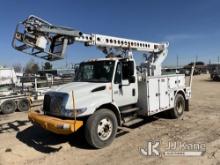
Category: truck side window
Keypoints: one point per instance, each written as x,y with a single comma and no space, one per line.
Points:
127,69
118,74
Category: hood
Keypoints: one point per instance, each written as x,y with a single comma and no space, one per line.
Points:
86,95
79,87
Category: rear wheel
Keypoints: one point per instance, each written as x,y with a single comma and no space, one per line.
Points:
23,105
8,106
179,107
101,128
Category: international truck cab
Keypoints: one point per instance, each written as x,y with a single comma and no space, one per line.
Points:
107,92
97,82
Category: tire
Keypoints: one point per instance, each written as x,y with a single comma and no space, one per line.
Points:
23,105
101,128
9,106
179,107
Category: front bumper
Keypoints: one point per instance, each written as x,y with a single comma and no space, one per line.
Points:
54,124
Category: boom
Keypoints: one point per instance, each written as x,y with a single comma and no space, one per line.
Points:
39,38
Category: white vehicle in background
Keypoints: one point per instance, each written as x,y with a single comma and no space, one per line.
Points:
7,76
10,99
106,92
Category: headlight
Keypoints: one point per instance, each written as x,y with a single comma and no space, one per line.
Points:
79,110
73,112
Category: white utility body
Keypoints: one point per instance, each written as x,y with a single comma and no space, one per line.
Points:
107,92
158,93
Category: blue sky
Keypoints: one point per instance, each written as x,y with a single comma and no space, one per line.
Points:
191,26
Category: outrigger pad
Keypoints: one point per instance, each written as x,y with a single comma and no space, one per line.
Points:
36,37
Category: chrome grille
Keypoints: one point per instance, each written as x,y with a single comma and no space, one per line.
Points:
46,104
53,103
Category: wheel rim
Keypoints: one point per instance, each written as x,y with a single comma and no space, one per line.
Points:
179,107
8,107
104,129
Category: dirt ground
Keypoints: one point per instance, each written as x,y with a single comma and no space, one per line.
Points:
22,143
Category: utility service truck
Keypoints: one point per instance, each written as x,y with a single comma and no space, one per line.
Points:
106,93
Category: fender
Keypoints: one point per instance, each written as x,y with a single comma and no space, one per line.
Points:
113,107
102,103
94,104
181,91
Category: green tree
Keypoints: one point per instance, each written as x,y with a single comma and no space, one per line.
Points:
47,66
32,67
17,67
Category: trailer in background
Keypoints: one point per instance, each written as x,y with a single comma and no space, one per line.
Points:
214,71
20,92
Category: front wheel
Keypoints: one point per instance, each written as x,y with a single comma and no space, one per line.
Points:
101,128
179,107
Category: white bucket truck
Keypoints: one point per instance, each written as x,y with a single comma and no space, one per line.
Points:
107,92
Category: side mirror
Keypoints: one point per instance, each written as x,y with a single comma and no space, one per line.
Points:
131,79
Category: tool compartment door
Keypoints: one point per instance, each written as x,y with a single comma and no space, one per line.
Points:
181,80
164,97
153,95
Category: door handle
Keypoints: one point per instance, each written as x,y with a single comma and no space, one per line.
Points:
133,92
116,92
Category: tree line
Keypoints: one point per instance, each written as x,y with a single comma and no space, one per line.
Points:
32,67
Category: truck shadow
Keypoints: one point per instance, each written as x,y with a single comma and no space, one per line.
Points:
47,142
210,80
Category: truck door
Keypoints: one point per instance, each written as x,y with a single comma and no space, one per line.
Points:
125,84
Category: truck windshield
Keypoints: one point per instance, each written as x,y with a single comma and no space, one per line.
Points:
95,71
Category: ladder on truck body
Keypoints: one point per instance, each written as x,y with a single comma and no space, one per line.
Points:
37,37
